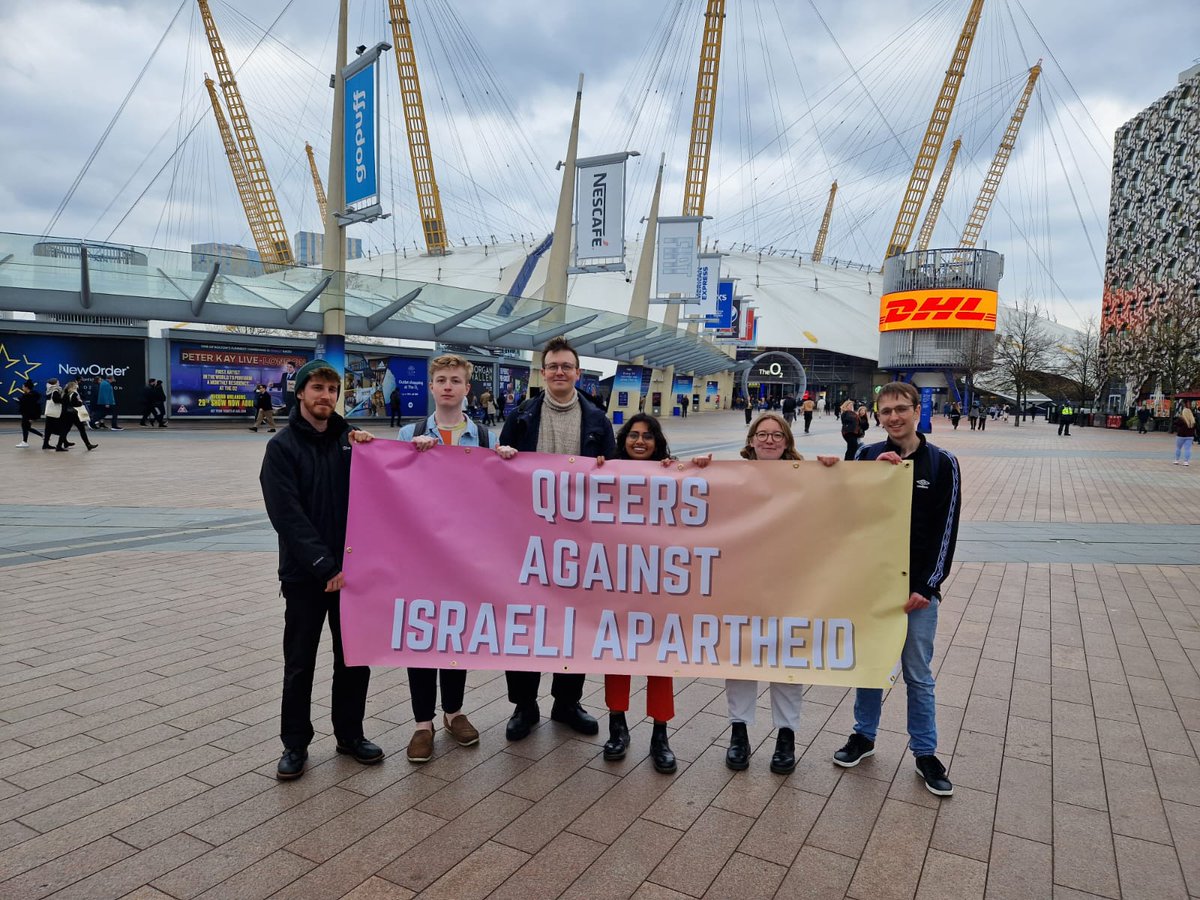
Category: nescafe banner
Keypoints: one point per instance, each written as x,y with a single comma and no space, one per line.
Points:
39,357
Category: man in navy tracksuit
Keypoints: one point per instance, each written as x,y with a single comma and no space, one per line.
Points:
305,482
936,505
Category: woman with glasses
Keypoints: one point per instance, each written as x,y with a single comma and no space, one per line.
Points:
769,438
642,438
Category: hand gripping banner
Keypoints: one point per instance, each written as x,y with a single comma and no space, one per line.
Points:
778,571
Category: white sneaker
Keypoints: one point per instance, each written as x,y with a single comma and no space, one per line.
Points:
23,444
1175,463
1186,463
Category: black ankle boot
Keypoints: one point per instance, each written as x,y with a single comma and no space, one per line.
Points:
618,737
737,757
660,749
783,761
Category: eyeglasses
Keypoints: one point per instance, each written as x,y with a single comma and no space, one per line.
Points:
558,367
769,437
898,410
640,436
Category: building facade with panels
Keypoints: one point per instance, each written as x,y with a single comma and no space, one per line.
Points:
1153,257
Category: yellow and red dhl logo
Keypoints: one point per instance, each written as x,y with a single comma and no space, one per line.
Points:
938,309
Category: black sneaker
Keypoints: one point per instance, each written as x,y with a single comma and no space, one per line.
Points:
931,769
856,750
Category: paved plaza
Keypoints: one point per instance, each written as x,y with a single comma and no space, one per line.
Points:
140,669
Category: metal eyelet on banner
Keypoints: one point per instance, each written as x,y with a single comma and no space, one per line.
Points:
468,449
570,459
349,549
680,467
795,465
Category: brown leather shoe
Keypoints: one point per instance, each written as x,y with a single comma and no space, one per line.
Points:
462,730
420,748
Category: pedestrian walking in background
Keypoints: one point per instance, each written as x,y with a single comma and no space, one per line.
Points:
850,429
1066,416
973,416
1184,427
159,408
74,415
1143,416
30,406
54,397
864,423
147,400
955,415
264,409
106,404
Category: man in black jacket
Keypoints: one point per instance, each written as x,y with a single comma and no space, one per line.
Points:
936,504
305,482
559,420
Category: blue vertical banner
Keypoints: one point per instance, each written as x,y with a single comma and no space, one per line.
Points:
332,349
361,174
926,424
723,320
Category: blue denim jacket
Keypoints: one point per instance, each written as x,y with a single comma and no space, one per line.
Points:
469,438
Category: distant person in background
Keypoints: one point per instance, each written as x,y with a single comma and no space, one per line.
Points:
30,406
982,415
955,415
808,407
789,408
90,392
147,403
264,409
54,397
160,403
1065,417
1184,427
850,429
106,403
864,423
74,415
395,404
1143,416
973,415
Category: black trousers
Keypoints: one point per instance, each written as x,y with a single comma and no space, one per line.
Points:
423,685
54,424
303,621
523,687
851,446
807,421
28,429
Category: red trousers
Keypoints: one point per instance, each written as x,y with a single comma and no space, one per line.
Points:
660,695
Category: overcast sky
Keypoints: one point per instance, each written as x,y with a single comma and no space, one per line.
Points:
809,92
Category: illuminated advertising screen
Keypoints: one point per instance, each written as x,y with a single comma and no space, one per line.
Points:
210,379
371,377
38,357
514,384
940,308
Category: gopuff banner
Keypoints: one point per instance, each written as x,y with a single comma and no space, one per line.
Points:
780,571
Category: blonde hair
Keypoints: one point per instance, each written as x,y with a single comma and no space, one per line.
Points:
848,406
450,361
1188,419
789,450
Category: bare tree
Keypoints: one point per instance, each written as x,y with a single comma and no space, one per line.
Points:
1024,350
976,356
1173,344
1084,365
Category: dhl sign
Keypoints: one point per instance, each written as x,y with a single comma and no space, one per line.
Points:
945,308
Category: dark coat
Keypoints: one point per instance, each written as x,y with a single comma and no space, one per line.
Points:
262,400
30,405
524,423
305,481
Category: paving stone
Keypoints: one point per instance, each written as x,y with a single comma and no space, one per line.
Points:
964,826
1078,776
780,830
692,791
1185,833
1134,805
1083,851
1024,806
478,875
628,861
948,877
552,869
846,822
890,866
539,824
698,857
1178,776
747,877
1147,870
1019,869
818,875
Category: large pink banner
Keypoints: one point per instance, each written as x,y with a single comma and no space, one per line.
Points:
780,571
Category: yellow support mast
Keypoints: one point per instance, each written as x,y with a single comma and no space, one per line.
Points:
704,112
277,251
316,177
987,193
939,195
429,201
819,248
935,133
258,228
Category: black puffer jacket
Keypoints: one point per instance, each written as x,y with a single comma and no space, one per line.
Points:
305,482
31,405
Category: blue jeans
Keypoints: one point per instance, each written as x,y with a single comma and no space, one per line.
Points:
1183,445
918,679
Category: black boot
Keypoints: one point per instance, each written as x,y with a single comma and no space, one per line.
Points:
618,737
783,761
660,750
737,757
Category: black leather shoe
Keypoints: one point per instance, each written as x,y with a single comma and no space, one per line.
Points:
660,751
522,722
574,715
291,764
783,760
363,750
737,757
618,737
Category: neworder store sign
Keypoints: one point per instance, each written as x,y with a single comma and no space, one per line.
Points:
782,571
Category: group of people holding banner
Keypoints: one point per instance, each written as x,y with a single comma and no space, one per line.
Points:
305,480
